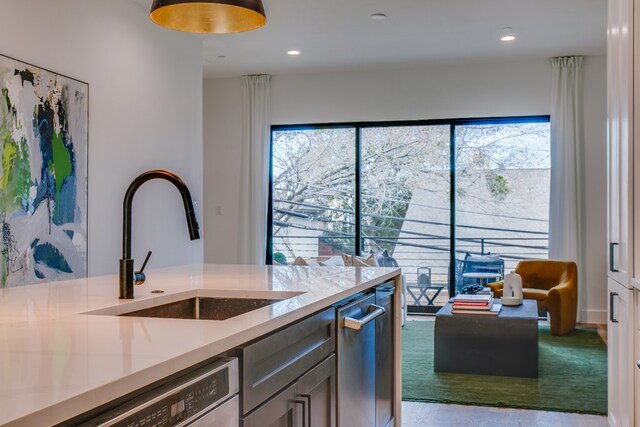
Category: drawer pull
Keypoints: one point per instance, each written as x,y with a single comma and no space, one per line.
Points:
305,412
612,267
306,408
612,296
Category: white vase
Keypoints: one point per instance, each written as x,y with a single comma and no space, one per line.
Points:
512,289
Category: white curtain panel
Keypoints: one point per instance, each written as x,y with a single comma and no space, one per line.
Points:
565,207
256,135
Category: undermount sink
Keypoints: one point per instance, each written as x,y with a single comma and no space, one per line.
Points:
203,304
204,308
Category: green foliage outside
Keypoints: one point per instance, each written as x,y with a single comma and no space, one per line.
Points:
280,258
498,185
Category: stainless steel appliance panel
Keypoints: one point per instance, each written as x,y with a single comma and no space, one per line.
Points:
384,356
210,391
225,415
356,362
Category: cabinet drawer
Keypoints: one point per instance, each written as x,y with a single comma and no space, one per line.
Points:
271,363
280,411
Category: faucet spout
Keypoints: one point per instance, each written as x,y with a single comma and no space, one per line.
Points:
126,263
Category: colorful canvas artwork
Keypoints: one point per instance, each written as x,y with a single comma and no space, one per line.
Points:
43,175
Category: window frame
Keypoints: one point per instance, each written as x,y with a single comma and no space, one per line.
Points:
358,126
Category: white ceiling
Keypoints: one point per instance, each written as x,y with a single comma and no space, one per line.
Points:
339,34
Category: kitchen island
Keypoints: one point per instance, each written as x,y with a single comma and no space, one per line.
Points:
57,361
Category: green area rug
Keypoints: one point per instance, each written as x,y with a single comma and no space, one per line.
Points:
573,375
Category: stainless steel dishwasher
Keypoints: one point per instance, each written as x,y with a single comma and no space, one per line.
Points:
206,397
385,357
356,348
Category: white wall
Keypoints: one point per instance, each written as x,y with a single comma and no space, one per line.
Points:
223,136
485,90
481,90
145,112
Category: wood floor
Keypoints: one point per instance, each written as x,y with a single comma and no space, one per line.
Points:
440,415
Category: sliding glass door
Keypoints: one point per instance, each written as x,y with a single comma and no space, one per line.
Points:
502,195
313,193
406,205
427,194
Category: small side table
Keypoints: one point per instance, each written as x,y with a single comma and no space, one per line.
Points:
481,276
417,292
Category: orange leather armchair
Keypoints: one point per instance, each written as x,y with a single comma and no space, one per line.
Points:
554,286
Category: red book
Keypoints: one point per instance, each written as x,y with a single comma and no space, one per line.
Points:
480,305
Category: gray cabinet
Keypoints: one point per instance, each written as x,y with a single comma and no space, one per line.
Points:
288,377
279,411
316,391
335,367
308,402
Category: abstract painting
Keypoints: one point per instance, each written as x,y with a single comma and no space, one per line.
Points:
43,175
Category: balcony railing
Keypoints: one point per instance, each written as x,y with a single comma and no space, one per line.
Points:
307,230
411,253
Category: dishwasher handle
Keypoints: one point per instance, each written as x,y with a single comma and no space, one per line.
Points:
374,311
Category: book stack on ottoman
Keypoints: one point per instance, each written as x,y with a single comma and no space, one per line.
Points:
481,304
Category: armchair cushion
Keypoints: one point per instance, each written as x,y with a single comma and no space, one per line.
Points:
536,294
528,293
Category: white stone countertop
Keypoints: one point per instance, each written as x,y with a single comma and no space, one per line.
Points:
57,362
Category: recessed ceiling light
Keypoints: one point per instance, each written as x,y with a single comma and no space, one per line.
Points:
507,35
293,52
378,16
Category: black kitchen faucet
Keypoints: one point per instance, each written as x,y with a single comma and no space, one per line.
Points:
127,274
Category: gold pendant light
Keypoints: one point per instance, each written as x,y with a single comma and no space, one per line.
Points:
209,17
